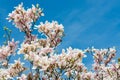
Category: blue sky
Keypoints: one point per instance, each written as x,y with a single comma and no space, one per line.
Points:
87,22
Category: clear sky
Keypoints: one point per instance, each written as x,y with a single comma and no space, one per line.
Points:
87,22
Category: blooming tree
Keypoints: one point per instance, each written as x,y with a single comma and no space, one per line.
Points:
46,63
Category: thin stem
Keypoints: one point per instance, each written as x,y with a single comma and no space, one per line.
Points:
38,72
31,68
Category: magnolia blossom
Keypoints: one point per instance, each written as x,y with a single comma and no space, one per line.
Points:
87,76
4,75
16,68
35,12
23,77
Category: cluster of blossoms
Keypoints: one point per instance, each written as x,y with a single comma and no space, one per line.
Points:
53,32
23,19
104,67
12,70
6,51
46,63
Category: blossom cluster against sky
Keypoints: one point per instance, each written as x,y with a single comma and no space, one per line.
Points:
86,22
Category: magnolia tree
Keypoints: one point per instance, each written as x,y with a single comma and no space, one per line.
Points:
46,63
